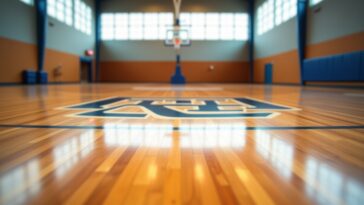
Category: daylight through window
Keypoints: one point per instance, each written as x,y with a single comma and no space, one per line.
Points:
154,26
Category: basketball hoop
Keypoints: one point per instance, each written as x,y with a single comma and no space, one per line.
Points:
177,37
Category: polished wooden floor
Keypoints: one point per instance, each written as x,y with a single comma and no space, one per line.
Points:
312,154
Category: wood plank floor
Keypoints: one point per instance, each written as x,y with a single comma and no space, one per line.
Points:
104,144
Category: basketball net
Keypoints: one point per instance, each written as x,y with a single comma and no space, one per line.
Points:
177,42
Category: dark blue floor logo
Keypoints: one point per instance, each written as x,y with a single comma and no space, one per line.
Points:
185,108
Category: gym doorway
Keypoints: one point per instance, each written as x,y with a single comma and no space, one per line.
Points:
85,70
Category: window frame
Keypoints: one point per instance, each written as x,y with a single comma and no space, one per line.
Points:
164,21
82,15
61,10
315,2
28,2
280,11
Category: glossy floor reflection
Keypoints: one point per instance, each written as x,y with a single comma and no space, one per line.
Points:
149,161
299,157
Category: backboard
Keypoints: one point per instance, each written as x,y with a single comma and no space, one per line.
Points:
177,38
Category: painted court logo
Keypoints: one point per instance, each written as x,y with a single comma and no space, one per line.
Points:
181,108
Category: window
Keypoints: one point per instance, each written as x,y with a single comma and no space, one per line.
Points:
212,26
68,12
265,17
72,12
241,27
83,17
285,10
197,30
29,2
226,22
216,26
151,28
275,12
154,26
165,22
135,26
314,2
61,10
108,27
121,26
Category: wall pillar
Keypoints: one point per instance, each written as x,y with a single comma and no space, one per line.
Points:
41,8
301,33
251,11
97,38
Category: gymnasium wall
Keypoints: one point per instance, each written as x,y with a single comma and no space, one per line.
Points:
65,46
150,61
333,27
17,40
18,49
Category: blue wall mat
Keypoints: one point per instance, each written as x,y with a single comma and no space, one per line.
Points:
362,66
348,67
42,77
268,73
29,77
345,67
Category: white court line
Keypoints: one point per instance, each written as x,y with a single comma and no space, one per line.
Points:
177,88
354,94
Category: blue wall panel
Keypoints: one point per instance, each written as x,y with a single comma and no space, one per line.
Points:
362,66
350,69
268,73
345,67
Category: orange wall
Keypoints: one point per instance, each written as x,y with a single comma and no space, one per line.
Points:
285,68
70,66
16,56
347,44
126,71
286,65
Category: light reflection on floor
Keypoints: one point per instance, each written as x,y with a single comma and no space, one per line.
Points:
135,135
324,183
276,151
213,136
159,135
26,179
69,153
23,179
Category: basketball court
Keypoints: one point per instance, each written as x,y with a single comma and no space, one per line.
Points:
182,102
